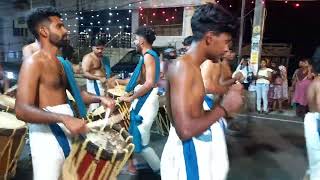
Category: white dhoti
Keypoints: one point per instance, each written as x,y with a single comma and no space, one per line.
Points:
47,155
311,131
148,112
211,154
212,158
91,89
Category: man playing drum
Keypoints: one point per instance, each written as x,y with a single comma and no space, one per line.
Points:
42,100
145,105
217,80
189,151
96,68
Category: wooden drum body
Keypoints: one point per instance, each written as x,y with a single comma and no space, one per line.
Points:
12,139
120,115
100,155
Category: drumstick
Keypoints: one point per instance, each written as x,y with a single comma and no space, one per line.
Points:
117,82
106,119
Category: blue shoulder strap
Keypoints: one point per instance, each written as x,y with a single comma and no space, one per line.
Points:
106,63
136,73
135,76
75,91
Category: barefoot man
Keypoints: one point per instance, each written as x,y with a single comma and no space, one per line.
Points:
42,100
189,151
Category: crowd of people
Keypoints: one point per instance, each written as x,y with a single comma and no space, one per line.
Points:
202,91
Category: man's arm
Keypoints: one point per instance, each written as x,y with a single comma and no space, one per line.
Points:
186,126
150,77
86,65
122,81
89,98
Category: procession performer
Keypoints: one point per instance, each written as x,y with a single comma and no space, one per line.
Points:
42,100
145,99
189,151
97,70
217,80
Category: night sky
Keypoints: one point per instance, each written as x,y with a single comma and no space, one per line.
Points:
285,23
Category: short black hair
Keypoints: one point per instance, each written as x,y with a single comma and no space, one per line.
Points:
305,59
187,41
147,33
98,42
212,17
38,16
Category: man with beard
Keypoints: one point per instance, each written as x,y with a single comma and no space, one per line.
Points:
96,68
190,149
145,102
42,100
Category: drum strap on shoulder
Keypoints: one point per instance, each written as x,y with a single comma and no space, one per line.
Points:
75,91
54,127
107,67
136,73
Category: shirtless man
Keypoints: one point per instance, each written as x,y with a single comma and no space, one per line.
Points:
312,124
145,99
217,77
188,153
41,97
29,49
217,80
96,68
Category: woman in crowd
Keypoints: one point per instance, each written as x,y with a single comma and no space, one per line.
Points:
262,86
301,82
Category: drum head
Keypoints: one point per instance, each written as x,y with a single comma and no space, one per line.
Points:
9,121
110,140
118,91
7,101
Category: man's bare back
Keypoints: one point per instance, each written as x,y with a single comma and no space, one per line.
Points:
225,71
313,95
211,74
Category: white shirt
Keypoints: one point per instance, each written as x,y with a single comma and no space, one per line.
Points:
264,72
245,71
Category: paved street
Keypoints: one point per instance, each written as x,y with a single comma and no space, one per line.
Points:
270,148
